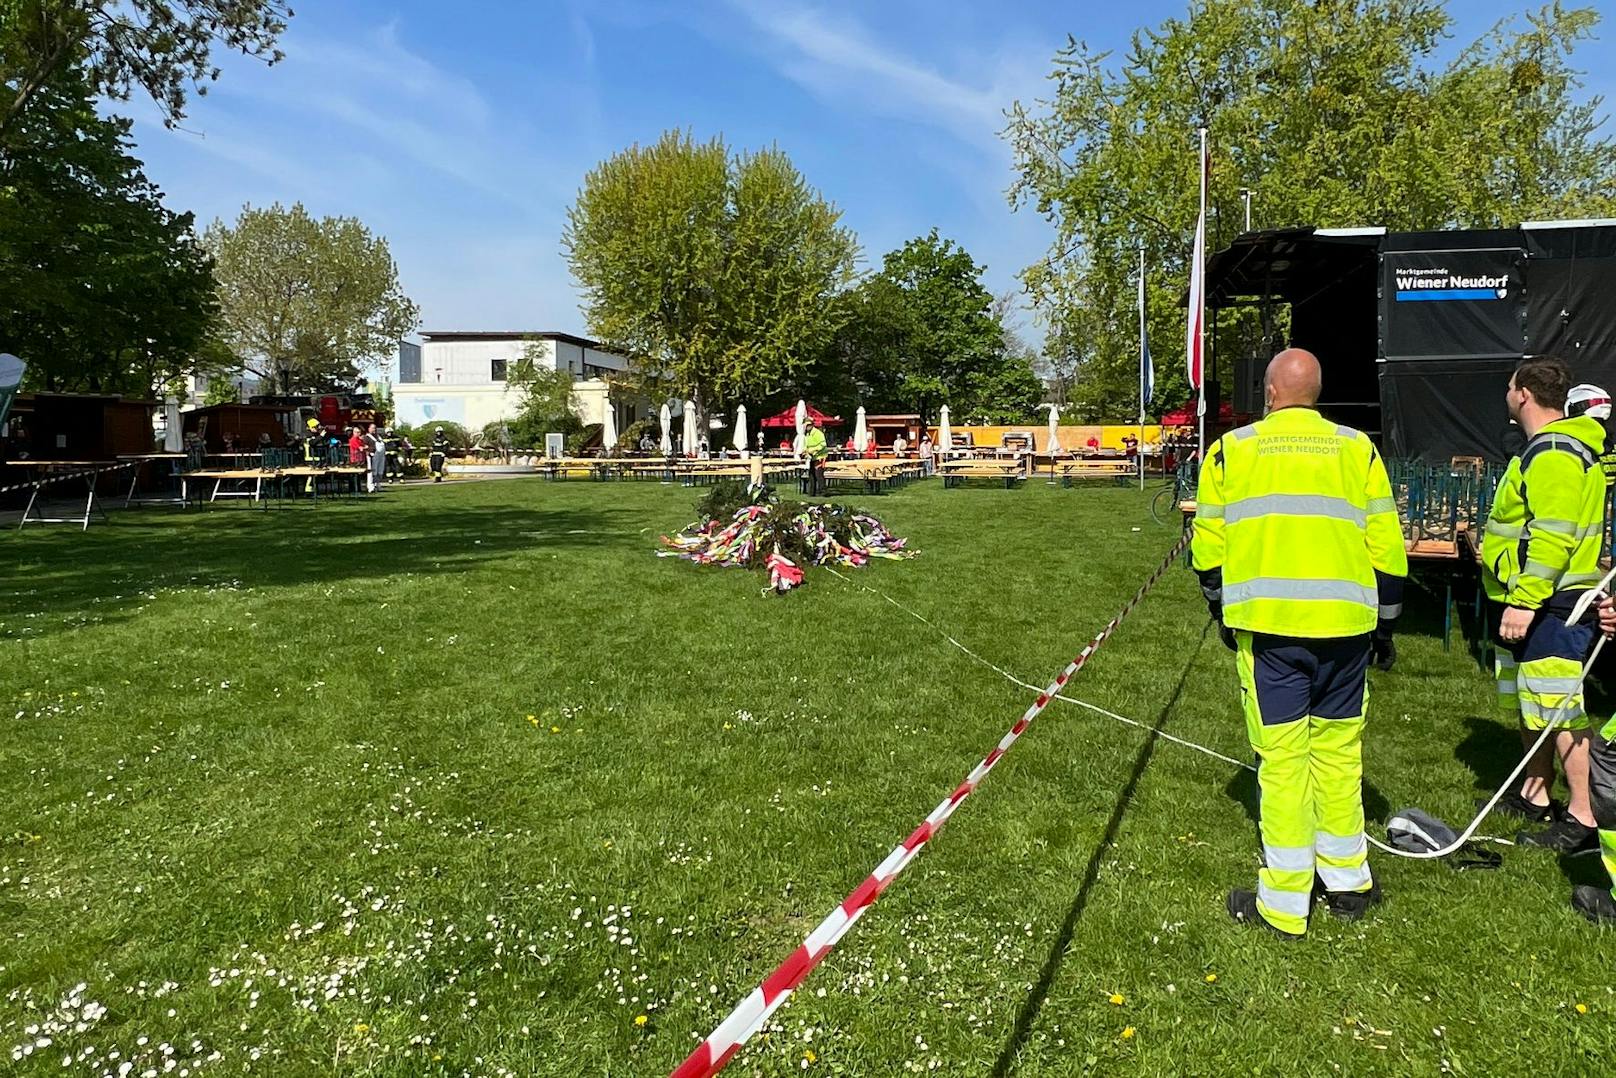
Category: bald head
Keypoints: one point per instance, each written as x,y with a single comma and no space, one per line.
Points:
1293,378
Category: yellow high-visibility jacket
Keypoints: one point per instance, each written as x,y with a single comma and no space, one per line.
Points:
1296,530
1547,521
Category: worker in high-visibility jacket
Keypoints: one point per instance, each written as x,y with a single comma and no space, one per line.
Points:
1301,559
1539,554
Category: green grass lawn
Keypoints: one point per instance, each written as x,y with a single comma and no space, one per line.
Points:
466,781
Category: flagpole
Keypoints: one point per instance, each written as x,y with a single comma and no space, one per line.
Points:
1143,346
1200,320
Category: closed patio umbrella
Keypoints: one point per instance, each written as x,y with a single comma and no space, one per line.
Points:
608,427
861,436
945,436
1054,433
690,428
802,427
739,441
173,434
666,417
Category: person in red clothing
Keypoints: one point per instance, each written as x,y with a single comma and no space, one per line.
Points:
356,446
870,448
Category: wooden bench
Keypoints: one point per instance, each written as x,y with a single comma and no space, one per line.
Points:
1119,471
955,472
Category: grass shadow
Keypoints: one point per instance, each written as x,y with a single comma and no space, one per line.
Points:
1489,749
1056,957
112,569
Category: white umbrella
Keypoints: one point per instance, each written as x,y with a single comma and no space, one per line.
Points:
945,437
740,430
173,436
667,426
608,427
861,436
1054,434
802,427
690,428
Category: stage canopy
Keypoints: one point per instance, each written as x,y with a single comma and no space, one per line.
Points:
1418,331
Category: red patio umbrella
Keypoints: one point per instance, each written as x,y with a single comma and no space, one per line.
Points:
788,418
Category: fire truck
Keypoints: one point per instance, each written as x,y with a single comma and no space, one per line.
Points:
334,412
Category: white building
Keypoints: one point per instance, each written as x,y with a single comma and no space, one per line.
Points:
461,377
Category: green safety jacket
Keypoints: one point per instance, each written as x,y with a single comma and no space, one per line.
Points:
1296,530
813,444
1547,522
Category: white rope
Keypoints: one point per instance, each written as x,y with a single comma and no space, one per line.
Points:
1465,836
1214,753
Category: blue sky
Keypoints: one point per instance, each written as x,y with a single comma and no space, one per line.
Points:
461,131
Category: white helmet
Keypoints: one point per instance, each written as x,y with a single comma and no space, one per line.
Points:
1588,400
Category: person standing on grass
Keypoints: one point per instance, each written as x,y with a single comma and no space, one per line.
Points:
1539,554
378,457
1300,554
814,451
925,455
440,453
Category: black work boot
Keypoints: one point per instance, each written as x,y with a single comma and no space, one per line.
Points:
1352,905
1513,804
1242,906
1594,903
1565,835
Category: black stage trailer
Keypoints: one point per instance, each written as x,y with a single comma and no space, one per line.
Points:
1418,331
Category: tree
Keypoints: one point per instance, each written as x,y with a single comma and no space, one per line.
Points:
1332,113
924,332
549,403
715,272
303,302
101,287
164,47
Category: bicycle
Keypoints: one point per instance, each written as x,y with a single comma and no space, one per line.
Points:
1179,488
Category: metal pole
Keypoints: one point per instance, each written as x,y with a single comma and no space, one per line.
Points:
1245,196
1139,450
1200,440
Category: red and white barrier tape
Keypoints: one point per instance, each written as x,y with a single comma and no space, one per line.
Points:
751,1013
62,477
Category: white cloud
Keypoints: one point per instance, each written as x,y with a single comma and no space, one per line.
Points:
838,59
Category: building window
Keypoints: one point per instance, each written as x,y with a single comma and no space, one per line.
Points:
498,370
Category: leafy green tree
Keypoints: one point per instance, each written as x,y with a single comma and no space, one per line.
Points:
164,47
924,332
1332,114
549,404
304,302
715,272
101,287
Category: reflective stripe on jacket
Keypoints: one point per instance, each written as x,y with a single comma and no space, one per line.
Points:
1547,521
1296,529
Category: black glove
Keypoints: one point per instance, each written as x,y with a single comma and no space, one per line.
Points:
1382,651
1226,634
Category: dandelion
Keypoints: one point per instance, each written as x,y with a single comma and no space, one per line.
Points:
1116,999
1211,978
360,1027
1582,1008
641,1019
1127,1033
555,729
808,1054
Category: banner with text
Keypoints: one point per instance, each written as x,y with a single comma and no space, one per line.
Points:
1453,304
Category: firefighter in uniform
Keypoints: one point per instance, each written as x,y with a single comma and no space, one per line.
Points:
312,455
440,452
1300,554
1539,554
